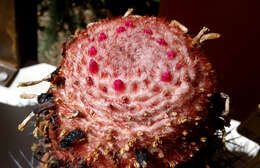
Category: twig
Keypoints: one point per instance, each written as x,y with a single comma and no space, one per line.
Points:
197,38
202,36
209,36
25,121
227,102
178,24
129,12
91,24
30,83
27,96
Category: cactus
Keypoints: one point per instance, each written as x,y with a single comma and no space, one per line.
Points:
131,91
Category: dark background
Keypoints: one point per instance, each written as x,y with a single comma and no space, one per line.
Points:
236,54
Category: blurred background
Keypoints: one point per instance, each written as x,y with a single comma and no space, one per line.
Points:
33,31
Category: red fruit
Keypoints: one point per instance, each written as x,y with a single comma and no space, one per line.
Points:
162,42
129,23
158,105
93,66
119,85
171,54
92,51
89,81
104,89
120,29
178,66
148,31
166,77
102,37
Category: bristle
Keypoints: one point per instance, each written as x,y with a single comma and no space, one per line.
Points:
178,24
129,12
31,83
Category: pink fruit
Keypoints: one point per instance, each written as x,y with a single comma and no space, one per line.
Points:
171,54
93,66
166,77
102,37
135,103
92,51
148,31
119,85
